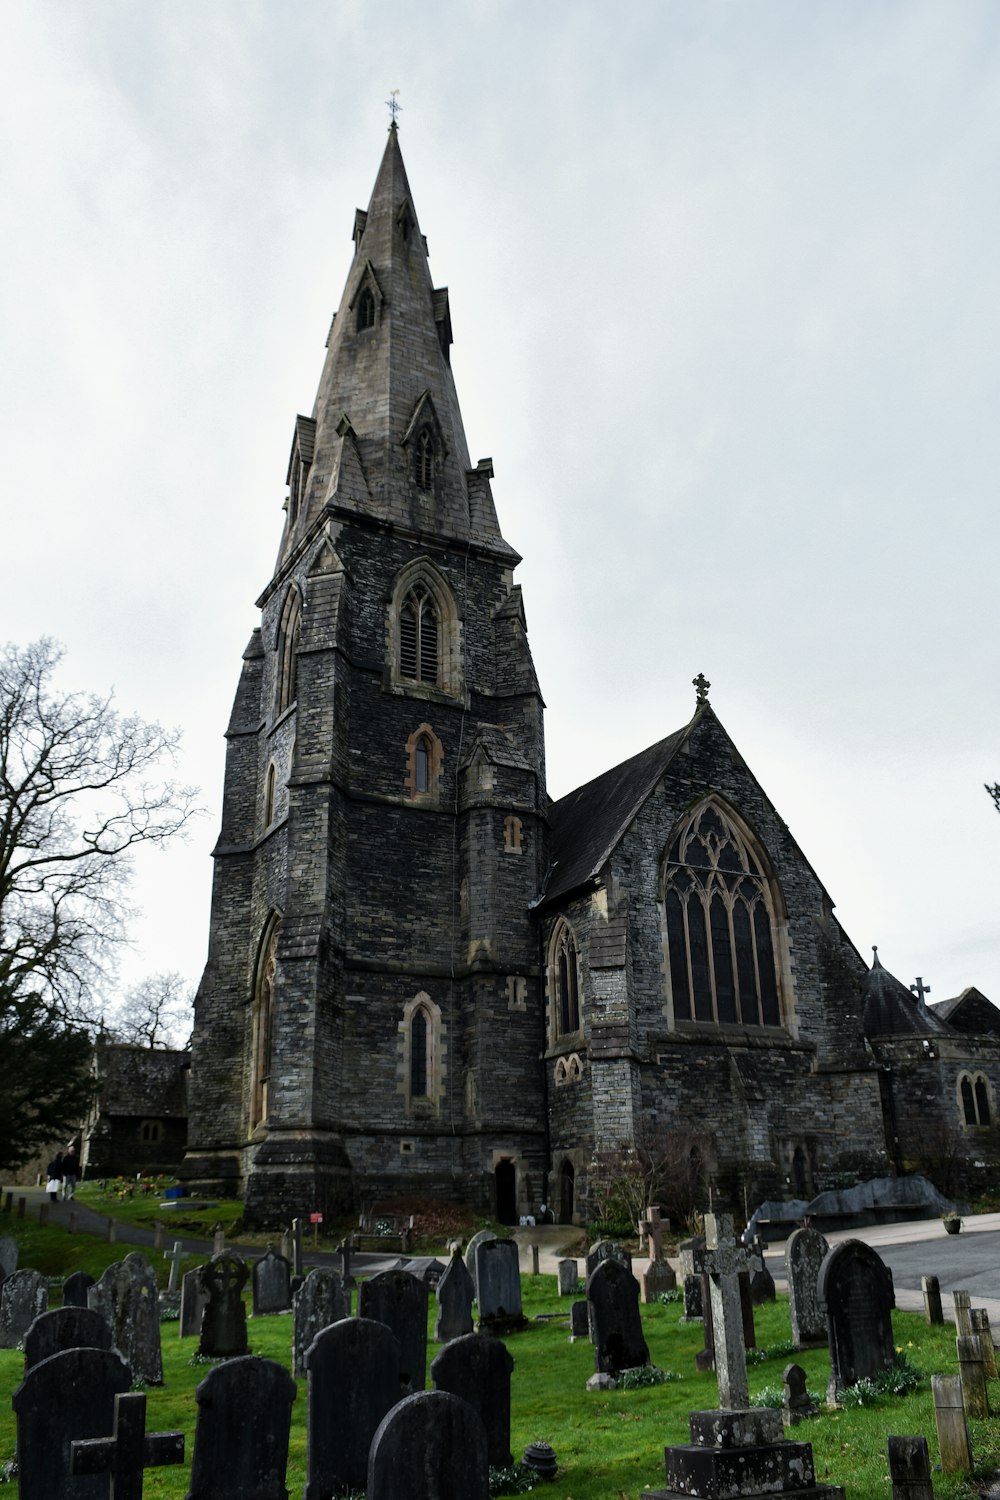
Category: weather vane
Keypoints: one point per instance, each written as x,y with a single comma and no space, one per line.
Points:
393,105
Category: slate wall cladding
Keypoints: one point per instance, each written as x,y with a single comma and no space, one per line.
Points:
926,1115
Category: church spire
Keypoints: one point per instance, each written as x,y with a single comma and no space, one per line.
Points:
386,429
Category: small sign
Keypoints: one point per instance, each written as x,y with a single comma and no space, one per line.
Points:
315,1218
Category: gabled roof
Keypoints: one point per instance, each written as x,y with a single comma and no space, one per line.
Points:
587,824
497,745
891,1009
970,1012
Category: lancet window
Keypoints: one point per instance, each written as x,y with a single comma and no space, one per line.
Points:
564,981
419,657
261,1038
720,930
289,637
975,1096
424,459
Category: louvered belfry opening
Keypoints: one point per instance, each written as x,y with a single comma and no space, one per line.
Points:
423,461
418,638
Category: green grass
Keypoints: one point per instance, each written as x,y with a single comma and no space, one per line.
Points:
610,1445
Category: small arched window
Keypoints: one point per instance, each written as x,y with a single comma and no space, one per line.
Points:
269,785
262,1024
419,1031
968,1102
566,1007
366,310
419,657
975,1096
422,765
423,460
289,638
982,1102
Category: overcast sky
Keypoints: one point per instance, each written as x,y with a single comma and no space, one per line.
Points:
726,308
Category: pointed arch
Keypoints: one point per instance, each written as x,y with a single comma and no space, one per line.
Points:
261,1030
287,648
422,1055
720,905
424,764
975,1104
270,784
423,633
563,982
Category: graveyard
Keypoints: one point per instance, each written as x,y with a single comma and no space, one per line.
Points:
608,1441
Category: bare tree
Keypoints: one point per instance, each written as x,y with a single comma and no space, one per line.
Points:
80,789
156,1012
994,792
669,1170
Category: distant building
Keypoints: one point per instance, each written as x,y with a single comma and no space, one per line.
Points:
138,1122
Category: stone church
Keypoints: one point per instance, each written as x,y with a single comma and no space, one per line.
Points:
424,976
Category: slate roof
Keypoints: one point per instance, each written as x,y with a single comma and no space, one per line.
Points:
587,824
892,1010
970,1011
497,745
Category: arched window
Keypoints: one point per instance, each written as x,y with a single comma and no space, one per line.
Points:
366,310
424,760
422,765
968,1102
262,1024
269,785
512,835
289,636
418,638
423,460
719,925
975,1096
419,1037
564,981
982,1102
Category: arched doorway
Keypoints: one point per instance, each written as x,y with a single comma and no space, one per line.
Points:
567,1191
506,1188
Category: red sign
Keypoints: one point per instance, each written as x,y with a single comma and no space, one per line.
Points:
315,1218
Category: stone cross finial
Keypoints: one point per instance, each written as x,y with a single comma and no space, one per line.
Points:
393,105
128,1451
724,1260
701,686
920,989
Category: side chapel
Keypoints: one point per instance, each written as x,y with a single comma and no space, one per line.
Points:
424,976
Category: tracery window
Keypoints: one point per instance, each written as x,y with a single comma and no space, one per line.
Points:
719,925
289,637
419,659
975,1097
564,978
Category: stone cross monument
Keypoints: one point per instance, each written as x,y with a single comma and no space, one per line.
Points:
723,1263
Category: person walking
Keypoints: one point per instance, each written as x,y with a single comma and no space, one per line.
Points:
71,1171
54,1171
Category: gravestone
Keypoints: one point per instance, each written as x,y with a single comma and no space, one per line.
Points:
741,1454
963,1313
479,1238
658,1274
973,1375
297,1267
478,1367
692,1257
931,1288
8,1255
454,1294
762,1288
724,1261
126,1296
705,1358
694,1308
344,1250
804,1254
857,1290
613,1295
64,1398
954,1442
607,1250
241,1435
64,1328
569,1275
175,1256
129,1451
431,1446
75,1289
354,1380
224,1320
320,1301
193,1299
796,1403
24,1296
981,1326
910,1468
271,1287
579,1319
426,1268
399,1300
498,1284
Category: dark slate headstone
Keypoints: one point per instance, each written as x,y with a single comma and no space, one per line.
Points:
354,1380
692,1254
241,1436
762,1288
75,1289
65,1398
193,1299
426,1268
224,1321
910,1468
8,1255
498,1284
579,1319
797,1403
613,1294
126,1296
399,1300
607,1250
693,1304
431,1446
804,1254
478,1367
64,1328
856,1287
24,1296
454,1293
569,1276
322,1299
479,1238
272,1292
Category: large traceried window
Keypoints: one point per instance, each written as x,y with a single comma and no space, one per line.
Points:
419,659
719,925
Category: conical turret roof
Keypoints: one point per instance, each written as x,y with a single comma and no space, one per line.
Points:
891,1009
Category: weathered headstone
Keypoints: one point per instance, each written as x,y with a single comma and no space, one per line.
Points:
931,1288
271,1284
75,1289
321,1300
224,1320
399,1300
613,1295
297,1267
705,1357
454,1294
579,1319
954,1442
963,1313
498,1283
910,1468
535,1250
746,1307
981,1326
857,1290
569,1276
724,1260
431,1446
607,1250
67,1397
973,1375
479,1238
126,1296
354,1380
344,1250
693,1304
741,1454
804,1254
8,1255
129,1451
762,1288
658,1275
692,1257
64,1328
241,1436
24,1296
218,1240
175,1256
193,1299
796,1403
478,1367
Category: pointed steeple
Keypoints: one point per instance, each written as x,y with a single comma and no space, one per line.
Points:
386,428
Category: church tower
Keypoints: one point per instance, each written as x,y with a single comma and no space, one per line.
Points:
369,1021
